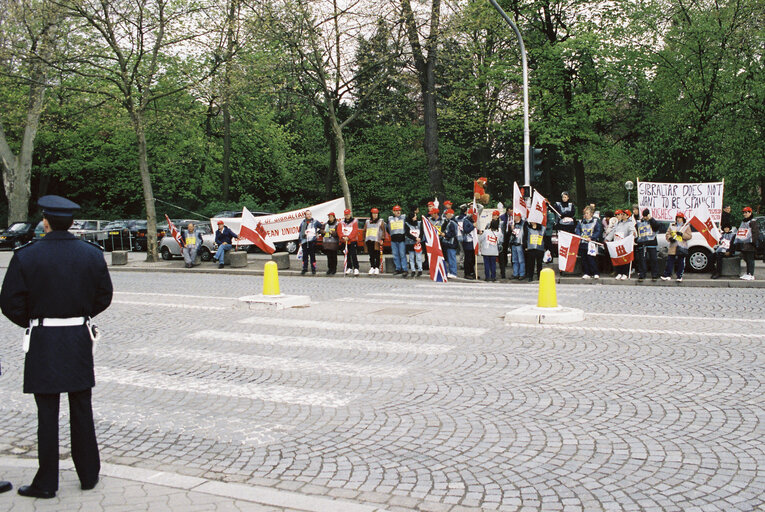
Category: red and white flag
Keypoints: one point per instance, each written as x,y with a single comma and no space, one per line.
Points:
519,203
568,248
538,210
174,232
702,221
433,245
622,251
254,231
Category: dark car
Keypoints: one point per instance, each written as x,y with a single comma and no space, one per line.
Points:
116,236
138,231
17,234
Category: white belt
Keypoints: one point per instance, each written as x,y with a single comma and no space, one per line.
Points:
57,322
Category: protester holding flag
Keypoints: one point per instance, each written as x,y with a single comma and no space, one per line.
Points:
413,239
449,232
515,234
374,237
192,241
329,243
678,234
505,220
647,245
223,238
591,231
621,230
746,239
469,234
533,242
349,236
307,234
397,242
723,248
491,243
433,244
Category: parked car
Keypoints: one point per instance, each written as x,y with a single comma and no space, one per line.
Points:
17,234
87,229
169,248
115,236
699,252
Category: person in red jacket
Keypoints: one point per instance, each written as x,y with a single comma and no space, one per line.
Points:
348,232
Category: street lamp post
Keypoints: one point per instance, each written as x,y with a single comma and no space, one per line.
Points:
629,186
526,135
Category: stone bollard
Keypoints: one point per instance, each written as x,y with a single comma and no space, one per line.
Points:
390,265
119,258
282,260
731,266
237,259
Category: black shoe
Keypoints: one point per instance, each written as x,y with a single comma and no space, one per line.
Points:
89,486
405,274
33,492
5,486
220,265
313,271
530,279
715,276
302,272
419,273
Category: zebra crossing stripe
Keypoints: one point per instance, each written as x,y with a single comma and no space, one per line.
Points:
434,330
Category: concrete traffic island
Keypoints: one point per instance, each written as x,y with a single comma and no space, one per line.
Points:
547,310
272,297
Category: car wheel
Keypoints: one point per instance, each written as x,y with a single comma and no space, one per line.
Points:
166,255
699,260
205,254
292,247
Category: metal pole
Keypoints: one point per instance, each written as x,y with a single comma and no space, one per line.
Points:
526,135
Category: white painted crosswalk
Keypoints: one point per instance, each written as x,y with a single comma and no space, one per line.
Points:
391,347
435,330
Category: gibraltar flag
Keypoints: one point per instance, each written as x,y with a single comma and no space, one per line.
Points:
174,232
622,251
702,221
538,210
568,248
254,231
519,203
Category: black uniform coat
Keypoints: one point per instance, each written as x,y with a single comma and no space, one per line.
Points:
58,276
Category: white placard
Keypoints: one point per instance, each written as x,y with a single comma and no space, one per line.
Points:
666,199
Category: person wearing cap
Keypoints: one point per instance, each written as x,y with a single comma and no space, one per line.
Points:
397,227
329,243
591,231
647,245
348,232
52,288
447,206
468,230
621,230
678,234
413,241
308,233
449,232
223,238
491,243
374,237
747,237
192,241
567,211
515,233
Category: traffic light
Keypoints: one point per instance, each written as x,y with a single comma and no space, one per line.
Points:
535,163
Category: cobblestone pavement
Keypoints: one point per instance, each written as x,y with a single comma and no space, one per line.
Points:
408,395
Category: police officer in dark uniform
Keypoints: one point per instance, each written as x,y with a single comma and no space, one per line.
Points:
52,288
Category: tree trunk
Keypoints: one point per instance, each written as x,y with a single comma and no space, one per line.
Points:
226,149
329,177
581,186
340,162
431,131
148,193
17,169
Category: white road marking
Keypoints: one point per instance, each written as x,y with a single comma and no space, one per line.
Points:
391,347
631,331
176,295
437,330
265,392
169,305
663,317
284,364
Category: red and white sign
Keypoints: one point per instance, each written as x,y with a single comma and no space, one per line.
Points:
622,251
702,221
538,210
253,230
519,203
568,248
283,227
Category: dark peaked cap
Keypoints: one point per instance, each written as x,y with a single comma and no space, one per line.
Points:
57,206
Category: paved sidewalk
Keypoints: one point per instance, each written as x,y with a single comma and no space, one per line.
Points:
129,489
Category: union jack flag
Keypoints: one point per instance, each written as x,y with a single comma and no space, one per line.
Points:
433,246
174,232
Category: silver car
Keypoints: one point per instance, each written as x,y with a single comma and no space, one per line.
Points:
169,248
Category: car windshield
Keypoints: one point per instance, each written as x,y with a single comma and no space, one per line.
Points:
19,227
117,224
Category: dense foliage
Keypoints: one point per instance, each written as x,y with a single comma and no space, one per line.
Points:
671,91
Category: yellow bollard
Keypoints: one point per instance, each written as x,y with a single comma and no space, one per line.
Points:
271,279
547,296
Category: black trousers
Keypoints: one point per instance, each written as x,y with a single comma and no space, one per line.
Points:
374,254
331,259
748,257
83,434
309,252
469,260
502,260
533,257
